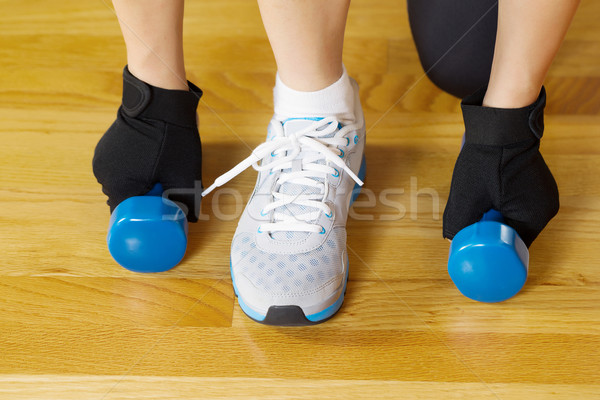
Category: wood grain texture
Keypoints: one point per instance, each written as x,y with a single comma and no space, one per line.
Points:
74,325
27,387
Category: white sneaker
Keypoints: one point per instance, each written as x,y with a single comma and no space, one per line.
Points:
289,264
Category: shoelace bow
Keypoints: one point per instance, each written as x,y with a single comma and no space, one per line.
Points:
309,146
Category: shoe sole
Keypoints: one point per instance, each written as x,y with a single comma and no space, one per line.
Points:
291,315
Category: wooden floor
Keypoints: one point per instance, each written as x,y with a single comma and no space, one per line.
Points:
74,325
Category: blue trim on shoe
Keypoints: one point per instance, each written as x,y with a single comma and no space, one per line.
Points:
302,119
340,126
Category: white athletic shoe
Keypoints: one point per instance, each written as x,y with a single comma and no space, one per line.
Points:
289,263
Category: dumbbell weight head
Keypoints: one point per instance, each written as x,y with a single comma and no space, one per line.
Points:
488,261
148,233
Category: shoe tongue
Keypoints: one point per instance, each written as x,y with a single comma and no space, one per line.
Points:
290,127
293,125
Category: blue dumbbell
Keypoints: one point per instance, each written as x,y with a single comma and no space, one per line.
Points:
148,233
488,261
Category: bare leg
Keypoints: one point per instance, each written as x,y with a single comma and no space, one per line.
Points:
153,33
529,36
307,38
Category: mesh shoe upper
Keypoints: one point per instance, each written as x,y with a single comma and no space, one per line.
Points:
288,275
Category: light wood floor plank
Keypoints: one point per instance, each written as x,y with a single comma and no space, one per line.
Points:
26,387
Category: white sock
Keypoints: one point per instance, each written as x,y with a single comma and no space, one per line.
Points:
336,100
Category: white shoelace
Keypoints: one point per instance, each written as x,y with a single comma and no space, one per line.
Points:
309,147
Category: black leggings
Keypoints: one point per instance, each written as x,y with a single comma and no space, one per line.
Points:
455,41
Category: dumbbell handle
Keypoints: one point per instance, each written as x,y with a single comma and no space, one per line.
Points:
156,190
493,215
